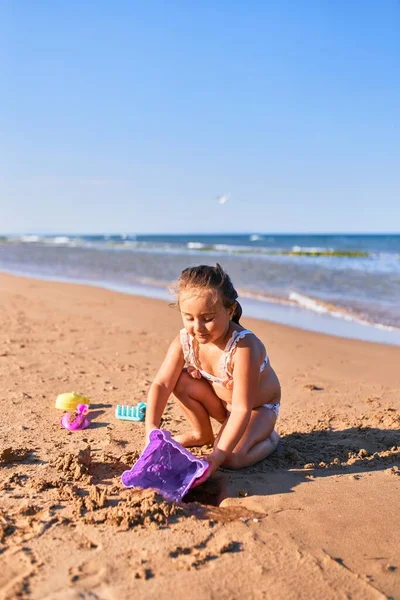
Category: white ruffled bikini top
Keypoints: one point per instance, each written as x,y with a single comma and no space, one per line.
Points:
225,361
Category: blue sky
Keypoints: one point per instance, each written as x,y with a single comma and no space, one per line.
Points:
136,116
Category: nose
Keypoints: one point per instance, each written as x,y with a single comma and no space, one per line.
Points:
199,327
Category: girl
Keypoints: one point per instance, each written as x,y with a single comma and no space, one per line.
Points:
218,369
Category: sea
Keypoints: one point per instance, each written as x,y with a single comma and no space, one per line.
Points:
345,285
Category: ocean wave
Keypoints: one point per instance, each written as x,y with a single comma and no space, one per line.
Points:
311,249
301,301
195,246
321,307
29,239
59,240
263,248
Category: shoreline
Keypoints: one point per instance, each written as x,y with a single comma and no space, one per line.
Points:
69,528
342,325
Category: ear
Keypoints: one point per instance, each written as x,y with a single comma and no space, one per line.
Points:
231,311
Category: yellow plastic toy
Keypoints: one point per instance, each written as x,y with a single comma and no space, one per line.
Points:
70,401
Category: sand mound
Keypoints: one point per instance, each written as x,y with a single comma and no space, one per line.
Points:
76,465
134,507
11,455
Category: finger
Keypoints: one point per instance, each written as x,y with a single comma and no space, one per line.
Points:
199,481
202,478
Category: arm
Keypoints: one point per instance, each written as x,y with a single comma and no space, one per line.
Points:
163,385
246,375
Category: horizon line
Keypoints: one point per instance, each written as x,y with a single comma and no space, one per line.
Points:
186,233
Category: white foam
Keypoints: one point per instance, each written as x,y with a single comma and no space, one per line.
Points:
29,239
311,249
195,245
301,301
321,307
306,302
61,239
224,247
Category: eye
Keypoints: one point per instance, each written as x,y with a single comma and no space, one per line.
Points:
188,318
208,320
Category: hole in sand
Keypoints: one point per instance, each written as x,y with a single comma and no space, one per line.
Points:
210,493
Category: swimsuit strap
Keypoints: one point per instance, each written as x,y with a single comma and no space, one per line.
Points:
225,361
226,357
234,340
190,357
187,348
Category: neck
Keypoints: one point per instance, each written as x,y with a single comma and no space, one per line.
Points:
221,341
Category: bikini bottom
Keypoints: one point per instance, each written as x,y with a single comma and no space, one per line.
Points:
274,407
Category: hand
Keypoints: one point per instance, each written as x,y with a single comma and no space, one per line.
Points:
215,460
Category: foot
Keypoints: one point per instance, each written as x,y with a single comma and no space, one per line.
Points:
274,439
192,438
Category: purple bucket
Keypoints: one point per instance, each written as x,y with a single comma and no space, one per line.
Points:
165,466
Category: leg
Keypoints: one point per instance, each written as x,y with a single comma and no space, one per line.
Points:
199,403
258,441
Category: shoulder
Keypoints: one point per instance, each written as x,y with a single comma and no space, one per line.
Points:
244,338
248,345
175,350
176,343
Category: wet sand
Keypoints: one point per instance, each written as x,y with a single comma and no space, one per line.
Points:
318,519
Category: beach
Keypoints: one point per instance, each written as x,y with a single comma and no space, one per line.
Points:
317,519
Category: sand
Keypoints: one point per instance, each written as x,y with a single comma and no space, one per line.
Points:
318,519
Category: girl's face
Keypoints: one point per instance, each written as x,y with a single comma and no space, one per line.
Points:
203,314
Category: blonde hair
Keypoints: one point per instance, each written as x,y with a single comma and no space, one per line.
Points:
215,278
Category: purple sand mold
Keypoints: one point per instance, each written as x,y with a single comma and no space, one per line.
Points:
165,466
78,420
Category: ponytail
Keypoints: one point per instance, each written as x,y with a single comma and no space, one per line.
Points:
237,313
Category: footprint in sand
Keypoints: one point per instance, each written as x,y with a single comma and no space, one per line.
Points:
89,574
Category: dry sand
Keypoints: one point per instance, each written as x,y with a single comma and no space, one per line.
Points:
318,519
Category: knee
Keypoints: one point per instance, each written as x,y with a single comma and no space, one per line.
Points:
182,384
277,395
